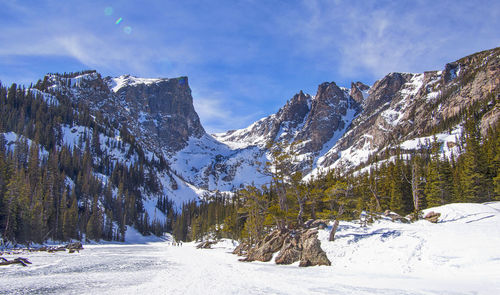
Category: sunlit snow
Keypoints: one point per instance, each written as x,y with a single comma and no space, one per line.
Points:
458,255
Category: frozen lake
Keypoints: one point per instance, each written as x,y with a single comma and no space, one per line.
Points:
458,256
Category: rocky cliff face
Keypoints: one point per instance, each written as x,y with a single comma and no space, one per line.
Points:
163,107
403,106
158,112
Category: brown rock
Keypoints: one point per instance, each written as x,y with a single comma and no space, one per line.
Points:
312,254
242,249
318,223
205,245
265,249
432,216
290,252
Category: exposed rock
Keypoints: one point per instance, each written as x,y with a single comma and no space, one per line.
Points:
206,245
293,246
265,249
328,108
167,109
396,217
432,216
312,254
241,249
357,90
318,223
290,251
75,246
158,112
19,260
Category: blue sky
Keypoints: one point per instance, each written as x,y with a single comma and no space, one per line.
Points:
244,58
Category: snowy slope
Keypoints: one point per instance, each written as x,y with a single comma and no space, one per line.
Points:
212,165
463,244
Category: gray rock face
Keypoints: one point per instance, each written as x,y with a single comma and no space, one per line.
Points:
158,112
165,110
403,106
281,126
357,90
325,118
312,121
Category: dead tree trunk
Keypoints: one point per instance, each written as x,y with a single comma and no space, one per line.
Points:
335,224
18,260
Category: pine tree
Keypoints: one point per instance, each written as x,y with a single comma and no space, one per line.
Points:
70,218
435,183
474,165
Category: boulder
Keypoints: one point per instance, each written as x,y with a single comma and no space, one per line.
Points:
318,223
205,245
75,246
242,249
396,217
290,251
312,254
298,245
432,216
265,249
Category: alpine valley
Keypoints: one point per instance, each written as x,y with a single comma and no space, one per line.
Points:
87,155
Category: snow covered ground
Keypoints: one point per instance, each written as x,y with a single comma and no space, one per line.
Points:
458,255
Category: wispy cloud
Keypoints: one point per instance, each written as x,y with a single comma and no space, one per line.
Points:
376,37
216,116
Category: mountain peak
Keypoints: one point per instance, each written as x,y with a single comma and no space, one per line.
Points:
118,83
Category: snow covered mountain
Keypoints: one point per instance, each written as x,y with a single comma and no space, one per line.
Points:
337,127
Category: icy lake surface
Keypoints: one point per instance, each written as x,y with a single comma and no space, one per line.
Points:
459,255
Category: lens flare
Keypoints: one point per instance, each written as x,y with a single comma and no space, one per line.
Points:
118,21
127,30
108,11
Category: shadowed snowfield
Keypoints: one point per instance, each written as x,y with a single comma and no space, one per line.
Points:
458,255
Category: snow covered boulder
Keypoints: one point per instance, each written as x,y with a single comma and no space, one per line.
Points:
395,217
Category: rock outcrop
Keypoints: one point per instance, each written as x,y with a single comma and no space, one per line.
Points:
298,245
164,109
359,92
312,254
205,245
265,249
